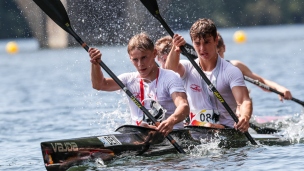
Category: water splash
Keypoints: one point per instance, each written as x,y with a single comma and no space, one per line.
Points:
289,126
208,148
293,128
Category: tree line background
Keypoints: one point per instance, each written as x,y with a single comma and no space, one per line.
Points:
180,14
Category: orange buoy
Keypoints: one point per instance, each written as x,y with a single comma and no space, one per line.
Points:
239,36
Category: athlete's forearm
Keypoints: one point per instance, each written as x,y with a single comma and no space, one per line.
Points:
182,107
180,113
246,109
274,85
172,60
96,77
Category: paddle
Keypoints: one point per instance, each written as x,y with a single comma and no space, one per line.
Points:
152,7
263,130
56,11
258,83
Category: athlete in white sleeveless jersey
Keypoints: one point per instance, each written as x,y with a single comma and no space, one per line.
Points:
159,90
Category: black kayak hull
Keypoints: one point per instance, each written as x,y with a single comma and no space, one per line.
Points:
62,154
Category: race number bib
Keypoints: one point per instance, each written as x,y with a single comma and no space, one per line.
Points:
201,117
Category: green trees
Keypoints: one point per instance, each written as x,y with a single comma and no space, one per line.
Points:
12,22
179,14
233,13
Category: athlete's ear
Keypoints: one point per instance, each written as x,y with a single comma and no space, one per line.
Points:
216,40
154,53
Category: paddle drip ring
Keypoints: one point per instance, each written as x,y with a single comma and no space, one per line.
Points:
157,111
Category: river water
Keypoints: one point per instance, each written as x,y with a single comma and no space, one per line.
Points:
46,94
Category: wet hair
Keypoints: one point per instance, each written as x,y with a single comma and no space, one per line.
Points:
220,41
167,40
141,42
202,29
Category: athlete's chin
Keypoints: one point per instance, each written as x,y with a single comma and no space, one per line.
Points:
141,70
143,73
205,57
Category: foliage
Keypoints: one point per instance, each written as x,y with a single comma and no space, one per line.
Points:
180,14
12,22
234,13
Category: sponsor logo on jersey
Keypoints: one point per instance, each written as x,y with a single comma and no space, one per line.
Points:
195,88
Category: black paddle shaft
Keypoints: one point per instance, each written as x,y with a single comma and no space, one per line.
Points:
152,7
258,83
56,11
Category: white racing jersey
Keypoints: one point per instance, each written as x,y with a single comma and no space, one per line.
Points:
201,98
159,90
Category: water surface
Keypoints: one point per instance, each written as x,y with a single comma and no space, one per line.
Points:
46,94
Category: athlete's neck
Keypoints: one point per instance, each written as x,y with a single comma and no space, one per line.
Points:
208,65
152,75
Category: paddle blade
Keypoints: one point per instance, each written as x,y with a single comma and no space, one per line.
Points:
152,6
56,11
262,130
189,51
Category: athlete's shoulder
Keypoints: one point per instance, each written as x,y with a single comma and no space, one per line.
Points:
128,76
229,65
183,62
231,71
237,63
168,73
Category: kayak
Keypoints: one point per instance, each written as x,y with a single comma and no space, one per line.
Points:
135,140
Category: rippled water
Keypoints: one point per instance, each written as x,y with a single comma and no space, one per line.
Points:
46,95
